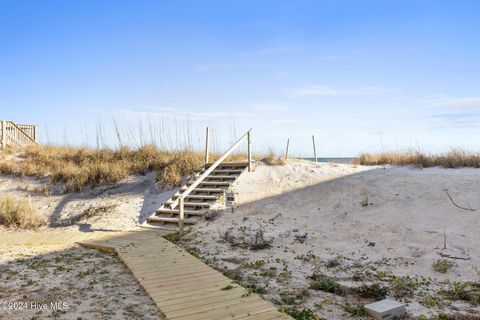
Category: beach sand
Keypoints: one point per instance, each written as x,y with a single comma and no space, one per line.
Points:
358,225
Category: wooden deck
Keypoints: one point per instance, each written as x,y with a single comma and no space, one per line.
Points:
182,286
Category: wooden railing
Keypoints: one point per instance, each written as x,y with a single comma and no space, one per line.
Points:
180,201
12,134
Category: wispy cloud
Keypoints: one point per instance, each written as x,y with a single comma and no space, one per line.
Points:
269,107
460,103
178,114
273,51
454,120
324,90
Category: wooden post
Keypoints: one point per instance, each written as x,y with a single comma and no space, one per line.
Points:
3,138
180,216
206,146
35,133
249,137
286,151
314,148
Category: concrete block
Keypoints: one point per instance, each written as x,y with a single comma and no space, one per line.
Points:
385,309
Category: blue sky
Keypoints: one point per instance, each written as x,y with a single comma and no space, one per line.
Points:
359,75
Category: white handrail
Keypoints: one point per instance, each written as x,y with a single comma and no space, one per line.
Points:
16,134
181,199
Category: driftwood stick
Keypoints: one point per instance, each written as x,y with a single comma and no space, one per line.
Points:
456,205
444,255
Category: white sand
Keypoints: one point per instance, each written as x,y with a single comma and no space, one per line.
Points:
400,231
314,215
86,283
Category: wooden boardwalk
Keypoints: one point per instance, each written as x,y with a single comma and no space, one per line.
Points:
182,286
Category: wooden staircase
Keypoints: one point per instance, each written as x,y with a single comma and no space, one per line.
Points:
201,192
18,135
200,200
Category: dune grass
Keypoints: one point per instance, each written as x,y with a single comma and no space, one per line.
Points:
455,158
77,168
18,213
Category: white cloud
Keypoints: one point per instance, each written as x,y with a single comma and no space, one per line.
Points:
324,90
460,103
268,107
283,121
182,115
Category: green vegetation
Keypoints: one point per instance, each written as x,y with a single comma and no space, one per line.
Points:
374,291
354,310
301,314
443,265
466,291
327,284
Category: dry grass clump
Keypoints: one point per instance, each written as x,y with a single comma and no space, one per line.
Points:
80,167
77,168
18,213
453,159
273,160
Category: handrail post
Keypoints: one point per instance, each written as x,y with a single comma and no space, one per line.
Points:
206,147
3,140
249,137
181,215
35,133
286,151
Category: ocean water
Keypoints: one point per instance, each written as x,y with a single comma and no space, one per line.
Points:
336,160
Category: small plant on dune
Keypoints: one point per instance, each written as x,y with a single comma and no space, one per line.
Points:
273,160
356,310
443,265
18,213
300,314
327,284
375,291
254,239
466,291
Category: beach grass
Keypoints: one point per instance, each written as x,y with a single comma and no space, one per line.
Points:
18,213
455,158
79,167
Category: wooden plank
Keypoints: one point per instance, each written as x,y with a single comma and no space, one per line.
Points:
221,309
183,287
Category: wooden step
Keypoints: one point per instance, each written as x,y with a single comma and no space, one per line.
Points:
177,211
196,196
215,183
232,171
209,190
221,177
193,204
230,164
171,220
